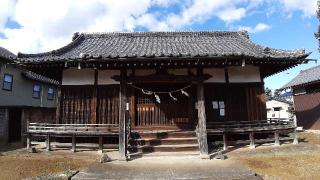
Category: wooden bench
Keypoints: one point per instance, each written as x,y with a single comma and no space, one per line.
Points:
70,130
251,127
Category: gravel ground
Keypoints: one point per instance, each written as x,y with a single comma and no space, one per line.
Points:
287,161
19,164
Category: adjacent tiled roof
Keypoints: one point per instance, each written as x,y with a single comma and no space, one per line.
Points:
305,77
6,54
40,78
134,45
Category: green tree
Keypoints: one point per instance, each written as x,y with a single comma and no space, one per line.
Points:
268,93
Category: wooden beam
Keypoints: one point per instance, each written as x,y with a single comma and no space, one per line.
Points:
201,128
122,116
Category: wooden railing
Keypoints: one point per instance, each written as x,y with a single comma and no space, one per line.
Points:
70,130
248,126
273,125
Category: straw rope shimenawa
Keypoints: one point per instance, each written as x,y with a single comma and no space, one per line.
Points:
155,93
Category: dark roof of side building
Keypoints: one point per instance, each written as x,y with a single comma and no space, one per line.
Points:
6,54
307,76
133,45
9,56
40,78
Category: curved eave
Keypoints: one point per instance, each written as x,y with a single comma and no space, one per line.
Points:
145,58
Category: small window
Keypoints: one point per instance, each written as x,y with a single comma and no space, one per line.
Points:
36,91
7,82
50,93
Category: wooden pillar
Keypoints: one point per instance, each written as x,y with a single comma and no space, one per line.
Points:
28,141
295,137
252,143
94,99
100,144
201,128
73,148
122,117
48,143
59,101
225,145
276,138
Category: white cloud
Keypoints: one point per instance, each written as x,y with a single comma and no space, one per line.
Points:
6,10
308,7
49,24
258,28
229,15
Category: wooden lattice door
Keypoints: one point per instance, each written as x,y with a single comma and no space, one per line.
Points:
168,112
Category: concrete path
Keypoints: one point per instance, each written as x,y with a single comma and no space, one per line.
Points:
167,168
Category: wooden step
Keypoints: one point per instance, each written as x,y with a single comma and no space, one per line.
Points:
165,148
167,141
162,134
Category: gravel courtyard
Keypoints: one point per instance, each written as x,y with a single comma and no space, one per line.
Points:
287,161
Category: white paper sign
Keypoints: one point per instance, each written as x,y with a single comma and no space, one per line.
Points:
215,105
222,112
221,104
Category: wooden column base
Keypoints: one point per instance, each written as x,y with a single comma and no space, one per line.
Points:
73,148
100,144
295,138
48,143
252,143
28,142
276,138
225,145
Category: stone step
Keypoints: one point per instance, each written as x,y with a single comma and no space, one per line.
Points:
165,148
168,141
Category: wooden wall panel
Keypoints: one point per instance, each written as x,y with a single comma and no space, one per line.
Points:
243,102
75,105
78,105
108,104
307,107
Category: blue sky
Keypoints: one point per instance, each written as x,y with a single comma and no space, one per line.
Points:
33,26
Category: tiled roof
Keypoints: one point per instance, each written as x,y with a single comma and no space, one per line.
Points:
5,54
40,78
304,77
134,45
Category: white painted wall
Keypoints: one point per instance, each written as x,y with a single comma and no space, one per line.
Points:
283,113
218,75
249,73
104,77
74,76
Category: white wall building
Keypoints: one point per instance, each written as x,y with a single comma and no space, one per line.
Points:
278,109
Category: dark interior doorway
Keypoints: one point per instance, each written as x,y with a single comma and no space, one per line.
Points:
14,125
